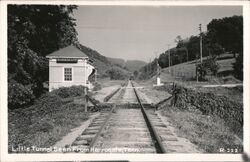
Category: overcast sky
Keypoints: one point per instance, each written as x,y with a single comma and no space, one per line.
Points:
141,32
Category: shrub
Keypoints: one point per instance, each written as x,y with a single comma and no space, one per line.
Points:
47,120
207,65
211,104
72,91
19,95
116,74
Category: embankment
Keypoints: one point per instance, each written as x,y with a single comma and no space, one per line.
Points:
231,111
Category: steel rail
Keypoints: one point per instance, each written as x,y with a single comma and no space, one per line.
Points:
158,144
93,141
91,145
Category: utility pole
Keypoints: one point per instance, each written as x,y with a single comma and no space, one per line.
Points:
197,80
158,79
157,65
186,52
169,70
200,42
150,65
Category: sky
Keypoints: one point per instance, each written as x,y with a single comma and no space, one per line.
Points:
142,32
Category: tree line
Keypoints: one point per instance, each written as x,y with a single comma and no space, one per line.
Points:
222,35
33,32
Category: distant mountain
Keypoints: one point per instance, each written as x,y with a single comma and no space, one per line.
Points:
133,65
117,61
101,63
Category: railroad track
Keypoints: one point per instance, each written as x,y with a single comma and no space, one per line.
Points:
129,129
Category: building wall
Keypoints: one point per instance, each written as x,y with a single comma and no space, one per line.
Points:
80,73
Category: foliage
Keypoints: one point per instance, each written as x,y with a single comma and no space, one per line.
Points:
33,32
201,71
164,60
135,73
148,70
228,32
73,91
50,117
133,65
208,65
116,74
223,35
185,50
211,104
19,95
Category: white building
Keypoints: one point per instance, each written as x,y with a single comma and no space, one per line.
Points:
69,66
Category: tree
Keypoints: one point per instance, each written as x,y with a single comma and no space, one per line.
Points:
116,73
210,64
136,73
33,32
163,60
228,32
179,41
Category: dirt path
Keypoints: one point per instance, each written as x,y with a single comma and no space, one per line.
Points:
149,94
101,94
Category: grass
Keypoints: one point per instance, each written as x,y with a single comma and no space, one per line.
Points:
209,133
51,117
185,73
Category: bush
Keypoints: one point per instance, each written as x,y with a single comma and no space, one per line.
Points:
207,65
50,117
72,91
116,74
211,104
19,95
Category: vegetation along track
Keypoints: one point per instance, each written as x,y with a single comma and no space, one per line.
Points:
125,129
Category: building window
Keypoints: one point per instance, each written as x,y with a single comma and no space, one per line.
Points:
68,74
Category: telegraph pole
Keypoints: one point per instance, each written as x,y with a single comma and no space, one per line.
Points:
200,42
158,79
150,65
157,65
169,70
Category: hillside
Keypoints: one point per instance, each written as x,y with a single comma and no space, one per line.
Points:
186,72
117,61
101,62
133,65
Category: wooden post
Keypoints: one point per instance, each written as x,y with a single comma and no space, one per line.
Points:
86,99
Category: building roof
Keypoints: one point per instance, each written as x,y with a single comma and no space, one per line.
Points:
70,51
